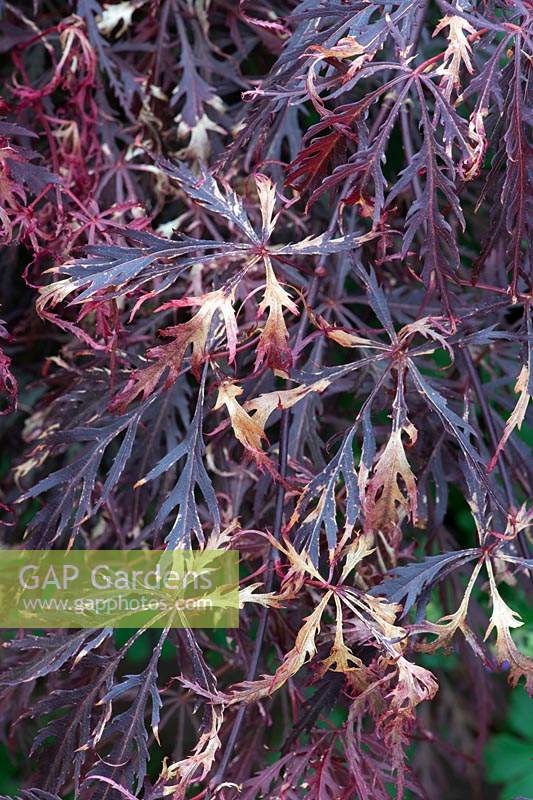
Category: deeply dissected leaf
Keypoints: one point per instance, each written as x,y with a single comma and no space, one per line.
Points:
192,474
385,499
304,648
459,428
523,387
129,754
49,653
168,358
414,581
266,277
322,488
250,430
504,619
73,486
78,724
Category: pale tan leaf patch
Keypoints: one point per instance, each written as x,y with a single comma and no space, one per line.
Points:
386,502
304,649
518,414
458,51
503,619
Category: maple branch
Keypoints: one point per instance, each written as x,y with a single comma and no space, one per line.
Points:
163,268
263,618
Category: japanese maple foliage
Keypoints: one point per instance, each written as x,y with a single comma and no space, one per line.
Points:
267,287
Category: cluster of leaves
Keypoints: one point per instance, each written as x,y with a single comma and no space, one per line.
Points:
267,287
